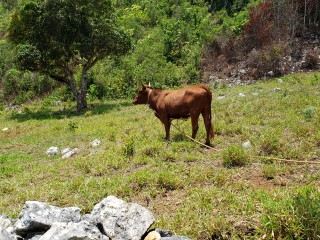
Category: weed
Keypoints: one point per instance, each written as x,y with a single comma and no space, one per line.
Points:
269,171
152,151
72,126
234,156
308,113
128,148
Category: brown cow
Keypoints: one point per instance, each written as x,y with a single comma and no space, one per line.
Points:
182,103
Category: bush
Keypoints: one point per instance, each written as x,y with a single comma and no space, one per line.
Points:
234,156
266,60
311,61
19,87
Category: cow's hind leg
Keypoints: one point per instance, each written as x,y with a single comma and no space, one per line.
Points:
208,125
195,126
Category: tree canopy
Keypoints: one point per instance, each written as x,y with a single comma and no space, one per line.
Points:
61,38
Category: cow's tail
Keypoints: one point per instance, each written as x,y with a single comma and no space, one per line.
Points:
208,107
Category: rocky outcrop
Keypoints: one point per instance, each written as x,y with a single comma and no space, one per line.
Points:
111,219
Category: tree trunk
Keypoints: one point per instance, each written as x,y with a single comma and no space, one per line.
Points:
79,95
81,102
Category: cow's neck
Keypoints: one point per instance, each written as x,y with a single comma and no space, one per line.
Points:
153,96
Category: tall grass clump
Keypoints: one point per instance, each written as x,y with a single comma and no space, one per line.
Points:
294,217
270,144
234,156
129,148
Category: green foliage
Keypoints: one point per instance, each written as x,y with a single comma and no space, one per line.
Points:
23,86
167,41
63,38
28,57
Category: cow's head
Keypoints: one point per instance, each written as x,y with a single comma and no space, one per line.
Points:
142,95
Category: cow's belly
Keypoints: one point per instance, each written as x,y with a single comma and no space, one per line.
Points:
179,116
176,114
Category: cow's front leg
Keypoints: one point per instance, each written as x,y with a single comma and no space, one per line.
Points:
167,124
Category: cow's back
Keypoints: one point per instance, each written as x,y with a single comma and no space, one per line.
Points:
183,102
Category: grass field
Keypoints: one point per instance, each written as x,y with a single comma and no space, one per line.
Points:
224,193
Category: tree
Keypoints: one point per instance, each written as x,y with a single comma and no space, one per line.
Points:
64,39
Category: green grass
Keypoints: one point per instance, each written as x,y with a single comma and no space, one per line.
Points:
227,193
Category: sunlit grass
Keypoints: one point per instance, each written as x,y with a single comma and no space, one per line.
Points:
189,188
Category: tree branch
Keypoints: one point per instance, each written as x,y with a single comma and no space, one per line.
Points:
59,78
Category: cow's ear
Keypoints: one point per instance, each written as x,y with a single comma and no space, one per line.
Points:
145,86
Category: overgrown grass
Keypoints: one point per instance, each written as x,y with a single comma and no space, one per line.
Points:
226,193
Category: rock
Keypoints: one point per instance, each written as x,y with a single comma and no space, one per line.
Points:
6,223
164,233
58,103
5,129
70,153
112,218
120,220
65,150
246,145
34,235
270,73
168,235
53,151
38,216
69,231
241,95
11,107
95,143
5,235
276,90
153,236
221,97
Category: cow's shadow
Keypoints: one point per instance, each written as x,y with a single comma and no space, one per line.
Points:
24,113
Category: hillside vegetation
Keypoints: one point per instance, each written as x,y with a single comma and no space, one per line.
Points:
173,43
220,193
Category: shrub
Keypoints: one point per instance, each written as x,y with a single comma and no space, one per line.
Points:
311,61
234,156
266,59
23,86
308,113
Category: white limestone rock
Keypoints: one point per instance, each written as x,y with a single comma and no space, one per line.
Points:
120,220
37,216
